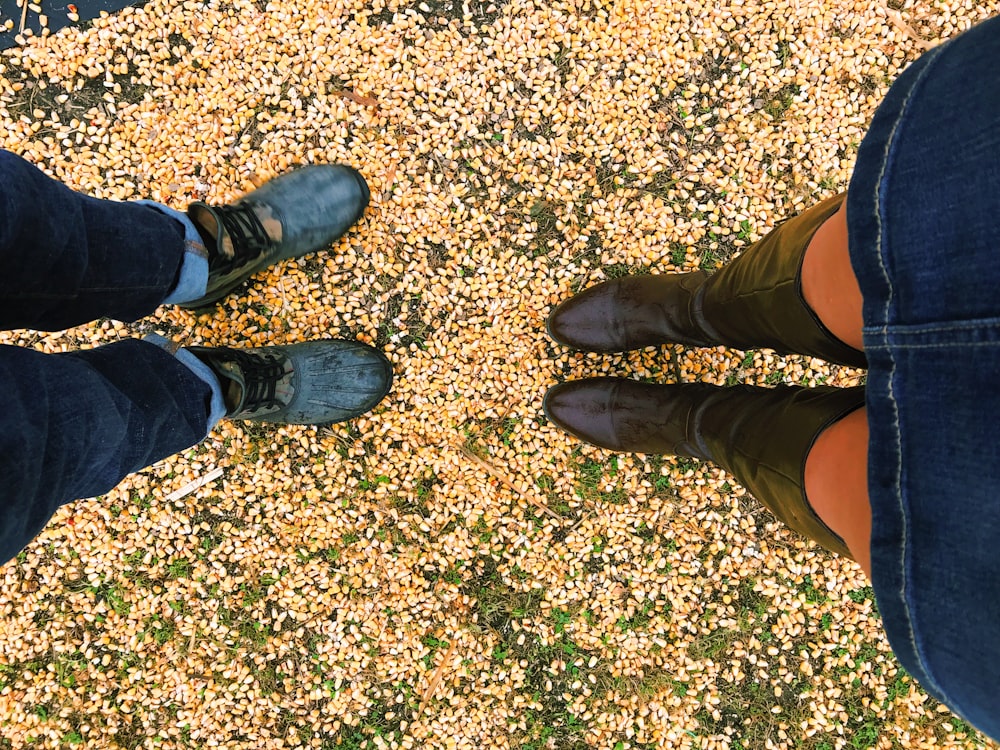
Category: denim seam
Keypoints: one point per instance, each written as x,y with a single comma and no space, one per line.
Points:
890,346
905,552
973,325
105,289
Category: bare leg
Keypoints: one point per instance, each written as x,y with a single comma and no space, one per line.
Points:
837,483
828,281
836,476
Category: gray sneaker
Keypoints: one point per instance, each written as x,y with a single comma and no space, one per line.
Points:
315,382
301,211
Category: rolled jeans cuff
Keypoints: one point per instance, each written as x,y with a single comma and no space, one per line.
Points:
192,281
217,404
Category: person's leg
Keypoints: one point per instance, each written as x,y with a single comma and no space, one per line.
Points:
836,483
836,476
829,285
75,424
798,276
69,259
762,436
756,300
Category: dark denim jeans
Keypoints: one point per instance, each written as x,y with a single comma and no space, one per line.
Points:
924,225
73,425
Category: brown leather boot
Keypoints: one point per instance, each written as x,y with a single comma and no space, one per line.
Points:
762,436
754,301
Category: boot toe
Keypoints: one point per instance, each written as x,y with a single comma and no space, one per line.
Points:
315,204
631,312
585,409
335,381
626,415
588,321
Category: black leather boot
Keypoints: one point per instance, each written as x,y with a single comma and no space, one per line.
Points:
754,301
762,436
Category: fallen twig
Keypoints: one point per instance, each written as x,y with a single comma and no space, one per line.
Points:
494,472
432,686
194,484
900,23
364,101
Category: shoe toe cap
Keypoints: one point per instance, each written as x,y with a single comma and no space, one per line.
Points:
336,381
316,204
587,321
584,408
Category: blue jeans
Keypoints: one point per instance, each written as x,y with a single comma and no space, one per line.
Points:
74,425
924,235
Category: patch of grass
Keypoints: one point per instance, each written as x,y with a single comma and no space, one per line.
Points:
713,644
778,102
863,594
619,270
642,617
547,237
179,568
497,603
161,630
111,593
589,478
433,644
551,723
812,593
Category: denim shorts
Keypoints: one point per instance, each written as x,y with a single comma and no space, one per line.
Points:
923,212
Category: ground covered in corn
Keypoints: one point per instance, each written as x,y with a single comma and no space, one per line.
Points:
451,570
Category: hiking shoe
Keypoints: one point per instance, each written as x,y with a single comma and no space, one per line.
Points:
292,215
315,382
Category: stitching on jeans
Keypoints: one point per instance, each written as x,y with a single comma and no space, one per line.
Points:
77,293
943,345
904,549
958,325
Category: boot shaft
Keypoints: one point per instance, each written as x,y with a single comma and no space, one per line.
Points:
762,436
754,301
758,297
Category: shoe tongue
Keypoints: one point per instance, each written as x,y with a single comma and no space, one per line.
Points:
234,392
208,224
211,228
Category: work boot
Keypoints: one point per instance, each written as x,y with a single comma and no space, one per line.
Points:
315,382
762,436
754,301
297,213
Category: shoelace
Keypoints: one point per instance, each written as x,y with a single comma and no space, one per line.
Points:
261,375
245,230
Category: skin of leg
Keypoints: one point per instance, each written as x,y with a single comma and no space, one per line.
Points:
828,282
837,483
836,476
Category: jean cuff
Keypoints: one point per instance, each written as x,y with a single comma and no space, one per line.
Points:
217,405
192,281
